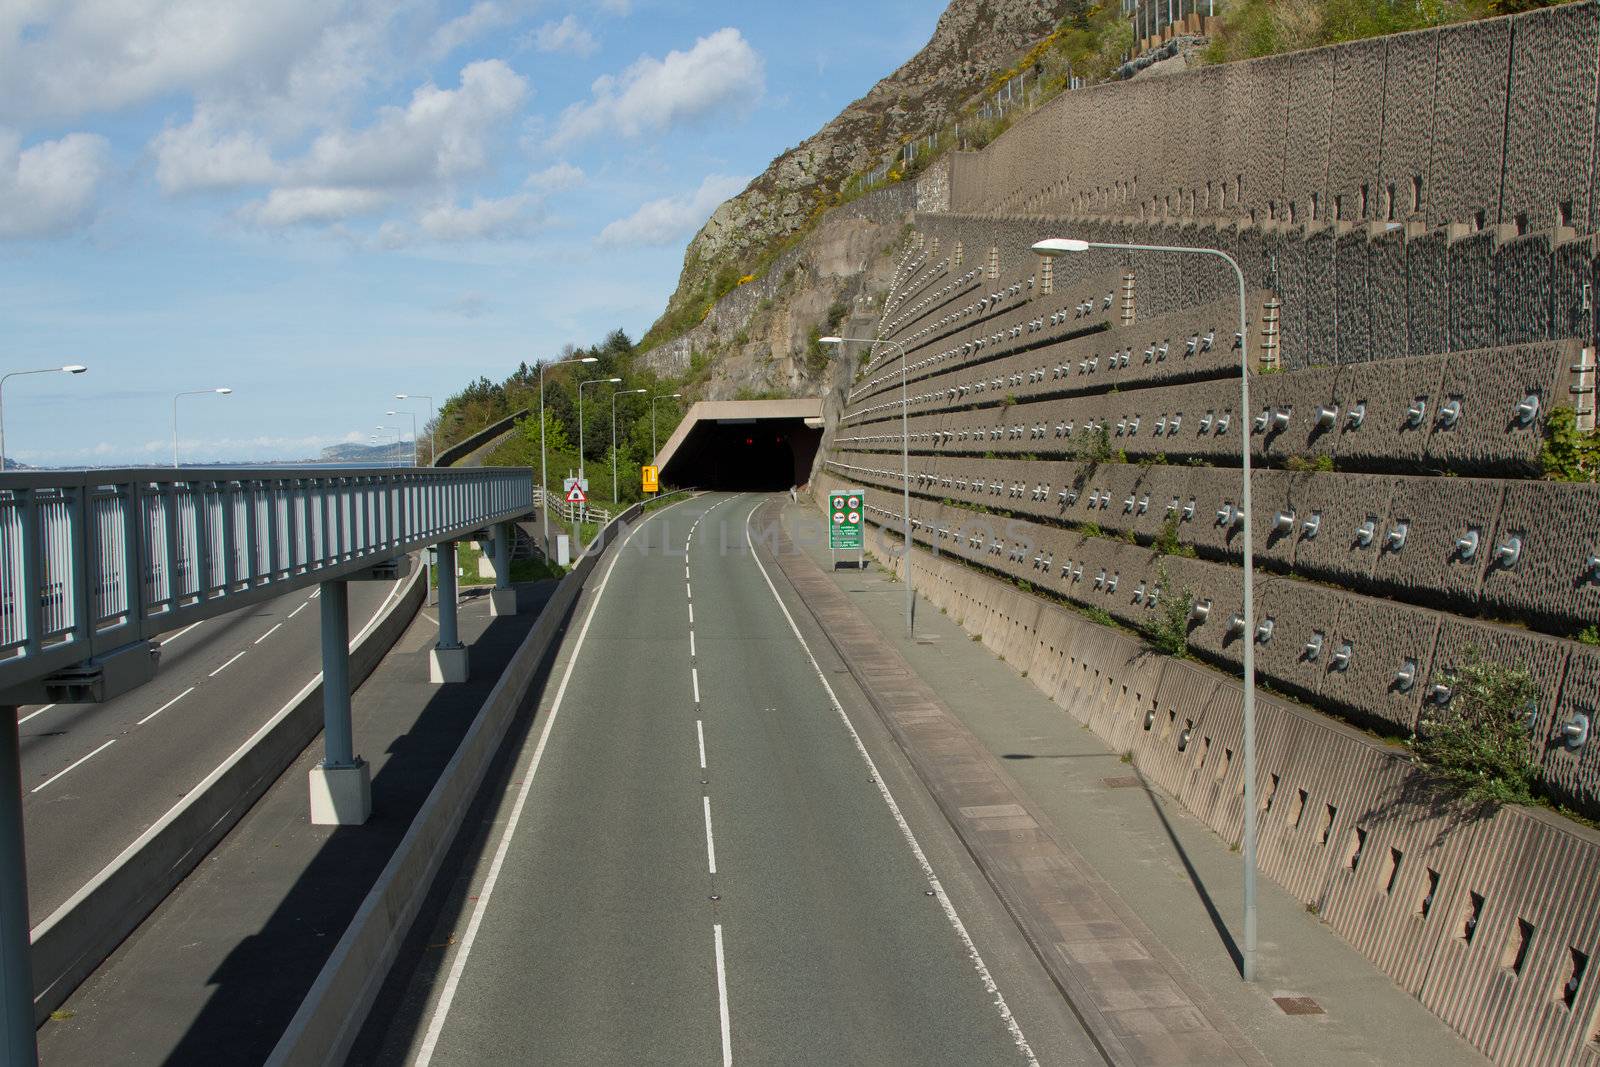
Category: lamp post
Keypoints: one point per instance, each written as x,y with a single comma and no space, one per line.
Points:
394,449
433,451
619,392
544,476
223,391
71,368
653,401
905,462
414,459
1061,246
576,529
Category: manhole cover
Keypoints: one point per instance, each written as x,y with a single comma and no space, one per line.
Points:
1121,781
1298,1006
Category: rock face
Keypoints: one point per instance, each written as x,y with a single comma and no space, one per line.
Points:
974,40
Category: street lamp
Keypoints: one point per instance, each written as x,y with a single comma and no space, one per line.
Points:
653,401
544,475
394,450
576,529
1060,246
619,392
224,391
433,450
905,460
70,368
414,460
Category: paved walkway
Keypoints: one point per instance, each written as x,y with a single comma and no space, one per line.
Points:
1121,885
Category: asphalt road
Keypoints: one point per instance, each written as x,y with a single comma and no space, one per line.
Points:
706,856
95,776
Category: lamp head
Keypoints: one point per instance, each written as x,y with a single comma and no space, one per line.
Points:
589,359
400,396
74,368
1058,246
613,381
830,340
224,391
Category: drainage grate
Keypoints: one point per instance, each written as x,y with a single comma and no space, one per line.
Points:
1298,1006
1121,781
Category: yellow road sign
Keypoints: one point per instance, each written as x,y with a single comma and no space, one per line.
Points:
651,477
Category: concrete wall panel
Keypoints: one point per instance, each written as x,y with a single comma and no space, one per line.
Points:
1389,389
1467,141
1409,117
1383,638
1550,154
1558,526
1489,385
1352,342
1472,290
1523,294
1427,293
1343,502
1432,516
1356,121
1388,289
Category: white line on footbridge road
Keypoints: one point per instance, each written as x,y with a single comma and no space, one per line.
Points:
74,765
165,706
226,665
269,633
691,644
299,609
34,714
722,998
711,844
694,676
700,733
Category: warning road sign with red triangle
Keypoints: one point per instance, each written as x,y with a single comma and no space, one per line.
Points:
575,495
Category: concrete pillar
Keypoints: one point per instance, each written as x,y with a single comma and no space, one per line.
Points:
341,785
503,598
16,953
448,660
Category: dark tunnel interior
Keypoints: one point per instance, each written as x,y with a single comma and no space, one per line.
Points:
744,455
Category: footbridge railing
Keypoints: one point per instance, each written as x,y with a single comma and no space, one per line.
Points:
93,563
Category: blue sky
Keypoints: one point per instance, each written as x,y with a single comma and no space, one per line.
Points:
320,204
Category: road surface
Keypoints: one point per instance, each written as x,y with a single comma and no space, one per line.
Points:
705,857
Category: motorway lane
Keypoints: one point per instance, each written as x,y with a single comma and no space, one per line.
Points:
703,864
95,776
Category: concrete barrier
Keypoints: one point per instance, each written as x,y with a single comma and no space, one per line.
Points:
464,452
324,1028
70,943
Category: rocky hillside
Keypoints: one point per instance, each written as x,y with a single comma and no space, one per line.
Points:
975,39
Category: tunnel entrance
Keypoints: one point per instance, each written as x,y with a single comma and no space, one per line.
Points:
744,446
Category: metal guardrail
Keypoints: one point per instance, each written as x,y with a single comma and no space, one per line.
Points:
95,561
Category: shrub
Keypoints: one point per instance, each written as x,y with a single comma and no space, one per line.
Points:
1169,634
1323,463
1569,454
1589,635
1479,741
1167,543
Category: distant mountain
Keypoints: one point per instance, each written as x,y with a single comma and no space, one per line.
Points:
376,455
13,465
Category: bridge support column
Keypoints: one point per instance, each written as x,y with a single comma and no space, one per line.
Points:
448,660
503,598
16,954
341,785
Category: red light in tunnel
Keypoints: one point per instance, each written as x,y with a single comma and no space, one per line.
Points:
749,440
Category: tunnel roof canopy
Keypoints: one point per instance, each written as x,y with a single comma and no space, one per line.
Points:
738,411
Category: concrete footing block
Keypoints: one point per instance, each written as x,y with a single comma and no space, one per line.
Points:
341,796
447,664
502,602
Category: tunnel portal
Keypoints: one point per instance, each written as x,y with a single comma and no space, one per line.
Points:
743,445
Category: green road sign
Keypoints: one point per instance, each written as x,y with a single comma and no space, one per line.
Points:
845,508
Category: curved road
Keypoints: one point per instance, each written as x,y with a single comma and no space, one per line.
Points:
712,853
96,776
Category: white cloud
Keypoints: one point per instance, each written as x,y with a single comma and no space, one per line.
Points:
483,16
721,73
663,221
67,59
200,156
557,177
50,188
483,219
565,36
314,204
441,135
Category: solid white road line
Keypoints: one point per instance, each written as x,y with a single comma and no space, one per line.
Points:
269,633
225,666
711,844
441,1010
34,714
934,884
299,609
722,999
165,706
75,764
180,633
700,734
694,676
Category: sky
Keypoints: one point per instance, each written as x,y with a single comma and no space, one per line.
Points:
319,204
